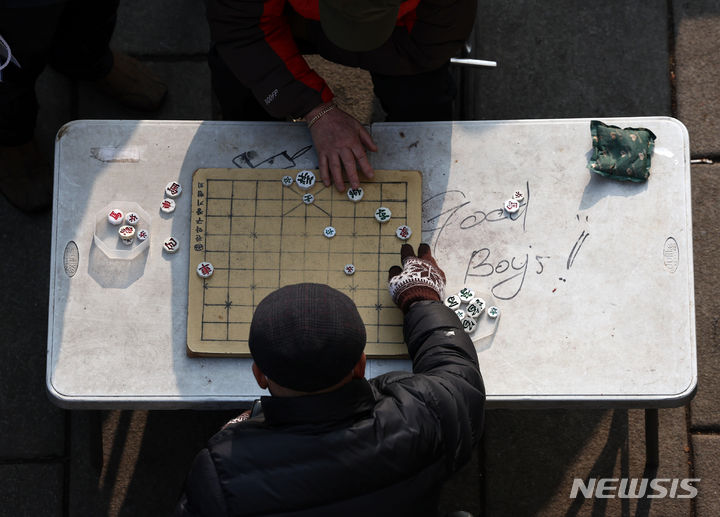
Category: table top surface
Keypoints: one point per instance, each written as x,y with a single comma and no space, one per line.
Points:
593,277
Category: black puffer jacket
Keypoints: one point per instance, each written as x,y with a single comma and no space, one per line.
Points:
381,447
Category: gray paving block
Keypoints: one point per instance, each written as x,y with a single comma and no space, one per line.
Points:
697,45
161,27
533,457
31,489
565,59
134,463
30,426
706,450
188,97
706,247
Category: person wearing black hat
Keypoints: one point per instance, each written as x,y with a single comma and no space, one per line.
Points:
258,72
328,442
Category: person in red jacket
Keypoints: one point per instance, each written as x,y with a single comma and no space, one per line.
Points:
258,71
328,441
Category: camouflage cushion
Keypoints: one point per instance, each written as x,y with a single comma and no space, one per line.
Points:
621,154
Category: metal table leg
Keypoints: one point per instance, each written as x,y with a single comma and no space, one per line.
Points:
652,452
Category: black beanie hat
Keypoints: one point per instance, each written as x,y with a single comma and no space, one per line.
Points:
306,337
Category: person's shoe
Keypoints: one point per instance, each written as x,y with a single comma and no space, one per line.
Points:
132,84
25,177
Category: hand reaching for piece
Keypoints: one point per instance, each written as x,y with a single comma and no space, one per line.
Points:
420,278
341,143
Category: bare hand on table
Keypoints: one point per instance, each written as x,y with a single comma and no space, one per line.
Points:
341,143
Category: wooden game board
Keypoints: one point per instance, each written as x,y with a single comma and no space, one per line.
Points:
260,235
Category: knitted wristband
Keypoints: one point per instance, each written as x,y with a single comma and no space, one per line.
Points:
416,294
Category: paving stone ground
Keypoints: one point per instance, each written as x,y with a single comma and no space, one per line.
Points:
32,489
30,426
566,60
697,42
706,448
532,459
559,59
706,221
696,29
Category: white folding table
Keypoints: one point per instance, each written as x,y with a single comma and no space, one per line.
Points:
593,277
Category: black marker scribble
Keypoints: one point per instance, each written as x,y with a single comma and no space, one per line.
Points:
443,224
512,293
576,249
459,212
527,203
542,266
247,159
482,263
479,266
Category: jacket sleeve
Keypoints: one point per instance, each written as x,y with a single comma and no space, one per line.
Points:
444,355
203,494
254,39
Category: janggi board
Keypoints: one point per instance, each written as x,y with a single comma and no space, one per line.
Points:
260,234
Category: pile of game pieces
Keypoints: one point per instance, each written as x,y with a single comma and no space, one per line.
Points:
513,204
167,206
127,222
474,307
171,244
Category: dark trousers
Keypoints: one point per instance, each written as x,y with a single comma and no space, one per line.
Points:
72,36
422,97
414,98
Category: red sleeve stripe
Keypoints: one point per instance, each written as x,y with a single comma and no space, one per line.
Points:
279,37
406,8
